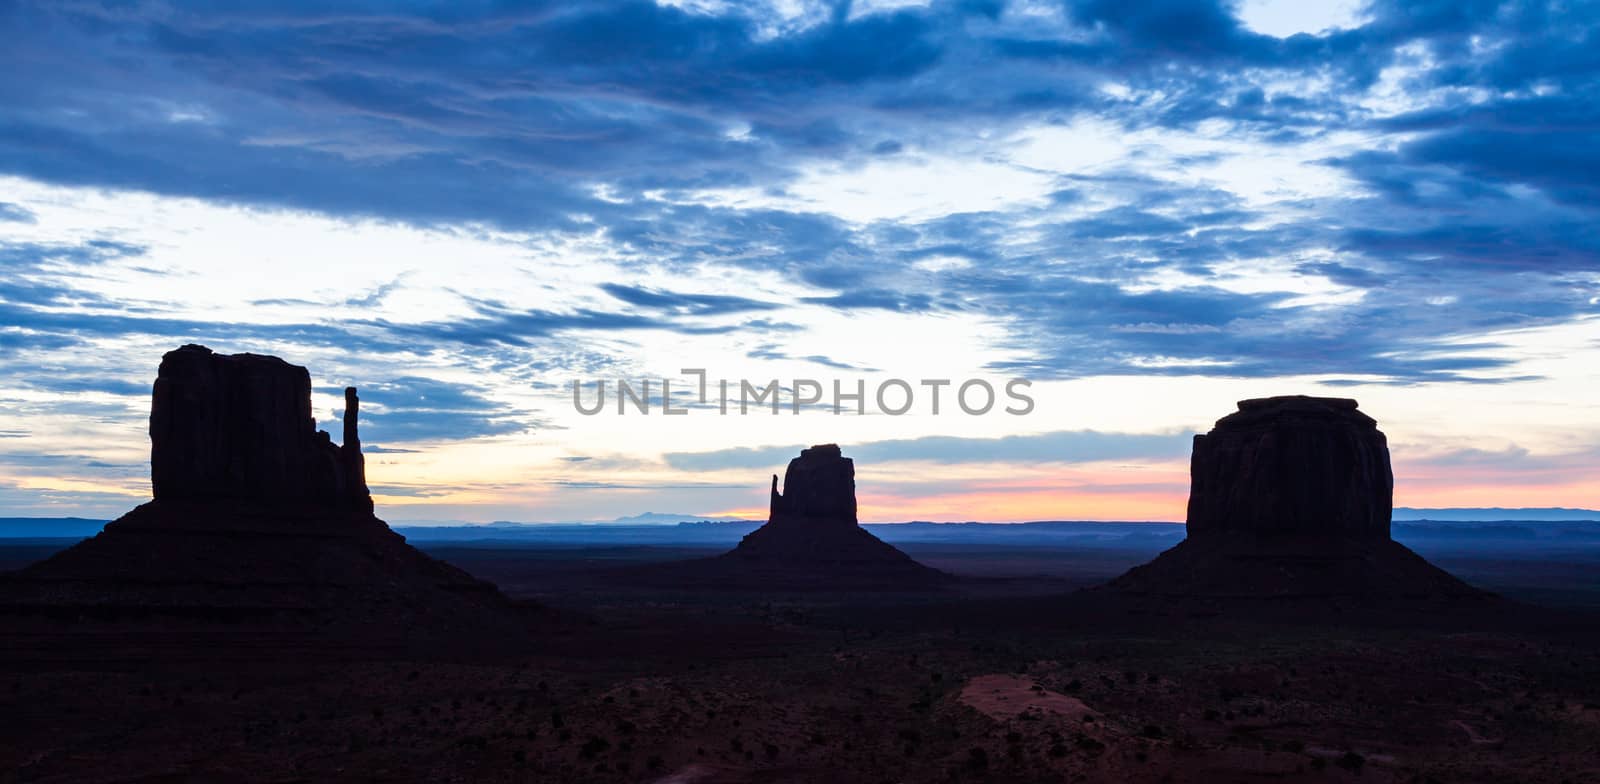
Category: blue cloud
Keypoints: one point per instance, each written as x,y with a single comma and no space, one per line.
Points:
16,213
37,256
1479,191
498,324
56,382
775,352
684,304
412,409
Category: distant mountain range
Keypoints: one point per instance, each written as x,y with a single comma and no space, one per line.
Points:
647,518
1495,514
1057,533
657,518
1401,514
49,527
81,527
660,528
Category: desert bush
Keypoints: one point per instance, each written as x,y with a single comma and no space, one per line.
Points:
593,747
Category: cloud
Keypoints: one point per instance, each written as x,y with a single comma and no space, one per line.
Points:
578,484
42,273
876,299
1425,153
495,323
62,383
410,491
385,450
1067,446
1161,190
53,327
16,213
774,352
684,304
412,409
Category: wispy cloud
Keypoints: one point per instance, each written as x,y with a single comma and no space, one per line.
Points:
1058,447
1089,189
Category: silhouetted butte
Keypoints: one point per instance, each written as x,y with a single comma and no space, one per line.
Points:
1291,497
258,517
812,540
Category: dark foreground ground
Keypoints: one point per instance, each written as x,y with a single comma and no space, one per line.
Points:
1006,678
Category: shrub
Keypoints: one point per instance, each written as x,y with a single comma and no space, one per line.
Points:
594,746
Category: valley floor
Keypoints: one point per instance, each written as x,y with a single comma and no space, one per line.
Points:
1001,680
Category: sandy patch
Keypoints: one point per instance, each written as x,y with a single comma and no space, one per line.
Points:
1473,734
1003,697
704,774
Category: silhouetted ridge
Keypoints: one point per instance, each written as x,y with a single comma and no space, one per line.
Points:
259,517
1291,497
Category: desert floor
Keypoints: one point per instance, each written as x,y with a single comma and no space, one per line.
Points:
1011,677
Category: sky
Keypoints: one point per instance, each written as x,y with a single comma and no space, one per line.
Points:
1145,209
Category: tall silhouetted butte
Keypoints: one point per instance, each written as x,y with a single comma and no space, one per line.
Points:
259,517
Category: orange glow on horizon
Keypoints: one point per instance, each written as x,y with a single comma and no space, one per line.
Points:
747,513
984,505
1108,492
1580,495
1003,506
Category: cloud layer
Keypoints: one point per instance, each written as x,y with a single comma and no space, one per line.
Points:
1459,139
1147,188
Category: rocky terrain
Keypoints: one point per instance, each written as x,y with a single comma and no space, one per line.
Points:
778,690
